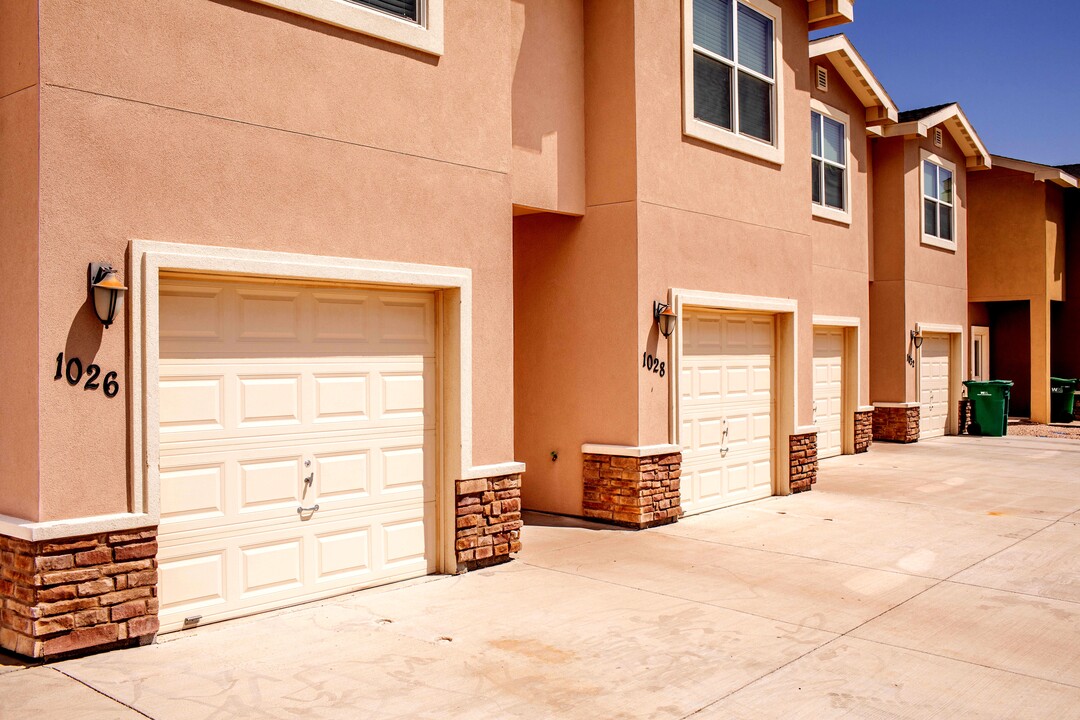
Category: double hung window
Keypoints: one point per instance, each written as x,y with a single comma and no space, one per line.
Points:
408,9
937,183
828,162
734,72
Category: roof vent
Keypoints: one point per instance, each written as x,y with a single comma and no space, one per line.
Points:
938,139
822,79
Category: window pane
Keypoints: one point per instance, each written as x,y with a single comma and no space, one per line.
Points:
930,217
944,185
929,179
712,91
834,187
945,228
712,26
755,41
815,169
404,8
834,141
755,107
815,134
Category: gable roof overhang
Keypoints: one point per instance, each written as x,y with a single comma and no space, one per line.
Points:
1042,173
918,124
827,13
849,64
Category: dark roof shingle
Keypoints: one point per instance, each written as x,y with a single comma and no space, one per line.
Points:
920,113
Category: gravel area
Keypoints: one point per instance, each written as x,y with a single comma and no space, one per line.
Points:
1030,429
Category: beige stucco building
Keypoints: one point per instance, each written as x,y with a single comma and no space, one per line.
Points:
918,293
381,256
1025,247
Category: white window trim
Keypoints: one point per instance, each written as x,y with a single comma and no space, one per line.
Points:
426,35
823,211
933,240
714,134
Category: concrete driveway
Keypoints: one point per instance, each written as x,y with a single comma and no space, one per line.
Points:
934,580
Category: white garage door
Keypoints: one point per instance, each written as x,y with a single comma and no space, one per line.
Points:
934,386
279,397
726,409
828,390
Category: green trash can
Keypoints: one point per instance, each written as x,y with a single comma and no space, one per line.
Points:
1062,399
990,399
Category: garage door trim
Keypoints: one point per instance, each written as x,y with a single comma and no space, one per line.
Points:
955,335
454,349
785,311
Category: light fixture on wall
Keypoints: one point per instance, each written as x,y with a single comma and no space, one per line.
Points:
916,342
665,318
106,292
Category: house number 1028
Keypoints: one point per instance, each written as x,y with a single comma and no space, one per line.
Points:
72,371
653,364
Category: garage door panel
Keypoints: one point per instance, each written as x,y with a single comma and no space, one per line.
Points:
293,383
726,409
933,385
828,390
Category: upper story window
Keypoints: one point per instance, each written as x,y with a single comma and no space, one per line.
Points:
732,89
938,207
829,163
417,24
408,9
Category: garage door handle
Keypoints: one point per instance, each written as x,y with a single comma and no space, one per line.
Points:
302,510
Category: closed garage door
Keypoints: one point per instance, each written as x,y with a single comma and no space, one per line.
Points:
828,389
726,409
277,399
934,386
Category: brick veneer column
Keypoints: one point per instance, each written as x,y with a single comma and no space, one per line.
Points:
803,458
864,430
967,408
488,521
896,424
78,594
637,492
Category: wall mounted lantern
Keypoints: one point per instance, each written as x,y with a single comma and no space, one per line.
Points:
916,341
106,292
665,318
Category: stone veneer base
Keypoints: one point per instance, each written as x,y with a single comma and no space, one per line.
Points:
80,594
803,458
636,492
896,424
488,521
864,430
967,415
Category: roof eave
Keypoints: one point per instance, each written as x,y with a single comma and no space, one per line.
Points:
953,118
880,108
830,13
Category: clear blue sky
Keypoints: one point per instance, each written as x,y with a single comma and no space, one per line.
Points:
1014,67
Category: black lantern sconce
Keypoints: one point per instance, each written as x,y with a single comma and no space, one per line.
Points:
916,342
106,292
665,318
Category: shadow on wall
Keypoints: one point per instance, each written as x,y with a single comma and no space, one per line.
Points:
84,335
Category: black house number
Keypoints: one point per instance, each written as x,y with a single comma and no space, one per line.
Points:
653,364
72,371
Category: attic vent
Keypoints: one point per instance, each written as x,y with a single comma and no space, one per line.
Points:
822,79
937,137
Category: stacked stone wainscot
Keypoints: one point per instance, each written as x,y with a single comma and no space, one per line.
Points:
896,423
864,430
636,492
488,521
803,459
73,595
967,411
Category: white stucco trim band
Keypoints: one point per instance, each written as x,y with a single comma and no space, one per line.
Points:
56,529
894,405
496,470
637,451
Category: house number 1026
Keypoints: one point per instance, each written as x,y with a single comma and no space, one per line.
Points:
73,372
653,364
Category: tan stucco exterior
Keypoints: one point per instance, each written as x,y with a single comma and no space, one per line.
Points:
225,139
1017,274
19,294
913,283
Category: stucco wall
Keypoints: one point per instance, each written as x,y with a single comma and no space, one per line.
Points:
19,231
1007,226
234,124
548,105
1065,344
913,282
841,259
